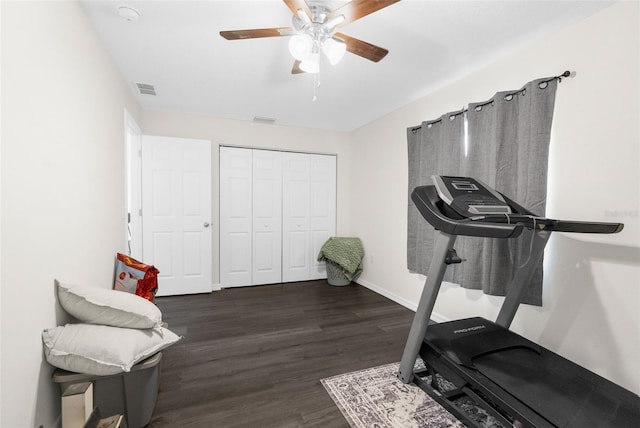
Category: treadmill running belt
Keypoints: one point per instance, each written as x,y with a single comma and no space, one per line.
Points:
567,395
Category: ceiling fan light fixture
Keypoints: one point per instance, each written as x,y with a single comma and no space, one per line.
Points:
314,30
301,46
311,64
334,50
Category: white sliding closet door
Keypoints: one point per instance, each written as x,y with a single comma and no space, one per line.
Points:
309,213
276,211
322,208
236,217
296,252
267,217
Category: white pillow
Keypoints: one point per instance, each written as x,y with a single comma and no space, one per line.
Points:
108,307
100,349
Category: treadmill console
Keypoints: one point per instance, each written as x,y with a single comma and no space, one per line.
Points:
469,197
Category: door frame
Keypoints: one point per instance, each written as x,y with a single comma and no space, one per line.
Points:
133,185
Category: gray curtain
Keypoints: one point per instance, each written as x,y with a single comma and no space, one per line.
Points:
508,146
433,148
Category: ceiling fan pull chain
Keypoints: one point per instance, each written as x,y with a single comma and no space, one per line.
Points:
316,85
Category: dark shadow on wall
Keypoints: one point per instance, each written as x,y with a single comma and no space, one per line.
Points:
48,410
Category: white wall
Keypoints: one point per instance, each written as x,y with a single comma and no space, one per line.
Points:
63,104
249,134
591,311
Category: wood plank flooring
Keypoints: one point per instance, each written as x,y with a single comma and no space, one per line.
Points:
254,356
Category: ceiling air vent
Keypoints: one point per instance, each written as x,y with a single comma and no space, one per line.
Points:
145,89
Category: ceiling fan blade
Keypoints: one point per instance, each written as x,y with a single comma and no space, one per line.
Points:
296,68
257,33
294,5
361,48
357,9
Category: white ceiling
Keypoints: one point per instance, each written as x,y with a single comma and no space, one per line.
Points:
175,46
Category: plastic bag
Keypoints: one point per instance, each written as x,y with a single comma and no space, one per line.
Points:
136,277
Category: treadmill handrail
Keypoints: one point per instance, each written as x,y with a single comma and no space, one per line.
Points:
426,200
432,209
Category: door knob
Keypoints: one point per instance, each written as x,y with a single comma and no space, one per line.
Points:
206,224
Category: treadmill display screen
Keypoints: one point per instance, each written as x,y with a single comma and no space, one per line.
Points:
469,197
464,185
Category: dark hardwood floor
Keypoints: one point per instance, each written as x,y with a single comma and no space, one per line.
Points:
254,356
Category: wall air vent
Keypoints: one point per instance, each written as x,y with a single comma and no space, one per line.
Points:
145,89
264,120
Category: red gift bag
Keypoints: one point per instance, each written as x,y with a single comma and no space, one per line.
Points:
136,277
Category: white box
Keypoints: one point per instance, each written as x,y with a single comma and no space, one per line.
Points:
77,404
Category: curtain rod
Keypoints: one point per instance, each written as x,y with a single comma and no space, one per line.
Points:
543,84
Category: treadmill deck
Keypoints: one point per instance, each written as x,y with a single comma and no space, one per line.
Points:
493,360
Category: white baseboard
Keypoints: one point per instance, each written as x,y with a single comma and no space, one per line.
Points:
391,296
386,293
216,287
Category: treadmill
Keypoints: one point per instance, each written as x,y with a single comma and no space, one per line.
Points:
516,381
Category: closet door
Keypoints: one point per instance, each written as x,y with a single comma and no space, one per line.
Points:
267,217
236,220
322,209
296,252
277,209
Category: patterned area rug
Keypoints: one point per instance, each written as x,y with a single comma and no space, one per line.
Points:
376,398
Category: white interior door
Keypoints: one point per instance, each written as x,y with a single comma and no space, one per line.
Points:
267,217
322,209
236,218
295,217
176,213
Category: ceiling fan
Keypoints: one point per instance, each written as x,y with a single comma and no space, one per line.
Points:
315,30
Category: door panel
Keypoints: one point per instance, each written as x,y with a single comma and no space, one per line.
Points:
190,263
236,166
322,211
298,251
176,212
191,203
163,249
239,247
295,217
267,217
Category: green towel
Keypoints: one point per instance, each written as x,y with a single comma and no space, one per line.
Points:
345,252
